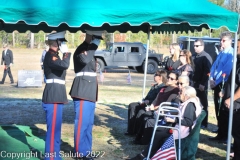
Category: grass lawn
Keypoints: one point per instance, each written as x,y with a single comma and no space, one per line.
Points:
110,116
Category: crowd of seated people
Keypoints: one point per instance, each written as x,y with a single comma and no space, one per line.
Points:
190,109
166,94
160,79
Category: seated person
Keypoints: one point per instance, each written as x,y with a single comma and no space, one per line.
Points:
183,81
160,77
190,109
150,122
166,94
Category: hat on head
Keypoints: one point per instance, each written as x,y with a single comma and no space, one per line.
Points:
57,36
97,34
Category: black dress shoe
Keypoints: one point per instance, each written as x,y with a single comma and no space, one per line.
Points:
138,157
223,141
88,158
128,134
1,82
85,158
215,131
217,138
203,127
12,82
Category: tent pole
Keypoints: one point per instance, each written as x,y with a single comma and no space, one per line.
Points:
146,62
232,96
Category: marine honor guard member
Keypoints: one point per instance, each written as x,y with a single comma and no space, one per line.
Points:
54,94
84,93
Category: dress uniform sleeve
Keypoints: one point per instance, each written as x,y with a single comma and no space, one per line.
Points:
54,61
86,58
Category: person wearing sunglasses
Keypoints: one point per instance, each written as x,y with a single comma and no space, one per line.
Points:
202,66
173,62
190,109
222,65
160,79
187,65
145,119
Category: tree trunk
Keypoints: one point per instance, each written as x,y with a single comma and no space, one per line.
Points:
13,38
32,41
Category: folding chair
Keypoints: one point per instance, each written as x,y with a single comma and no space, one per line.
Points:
189,144
163,109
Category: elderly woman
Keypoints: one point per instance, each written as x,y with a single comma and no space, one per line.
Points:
160,79
190,109
173,62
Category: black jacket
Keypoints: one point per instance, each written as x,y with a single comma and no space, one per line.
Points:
85,87
227,87
55,68
8,58
170,65
153,92
202,63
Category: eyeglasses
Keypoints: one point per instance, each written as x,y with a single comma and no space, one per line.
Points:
197,45
171,78
180,83
181,55
155,75
223,40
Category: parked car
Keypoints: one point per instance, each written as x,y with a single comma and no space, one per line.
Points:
131,54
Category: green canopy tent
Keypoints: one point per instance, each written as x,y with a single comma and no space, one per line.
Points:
122,15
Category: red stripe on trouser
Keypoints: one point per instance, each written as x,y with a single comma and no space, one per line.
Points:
79,124
53,129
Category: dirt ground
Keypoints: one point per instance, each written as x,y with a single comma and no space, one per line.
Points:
22,106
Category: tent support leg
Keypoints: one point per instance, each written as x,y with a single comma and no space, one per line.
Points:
146,62
232,95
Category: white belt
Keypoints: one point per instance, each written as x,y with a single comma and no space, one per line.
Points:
55,81
93,74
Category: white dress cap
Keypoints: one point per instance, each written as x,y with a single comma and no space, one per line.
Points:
57,36
97,34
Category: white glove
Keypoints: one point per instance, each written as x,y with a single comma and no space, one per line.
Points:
95,41
10,64
63,48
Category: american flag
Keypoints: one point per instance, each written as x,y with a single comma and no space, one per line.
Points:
129,79
101,76
167,151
